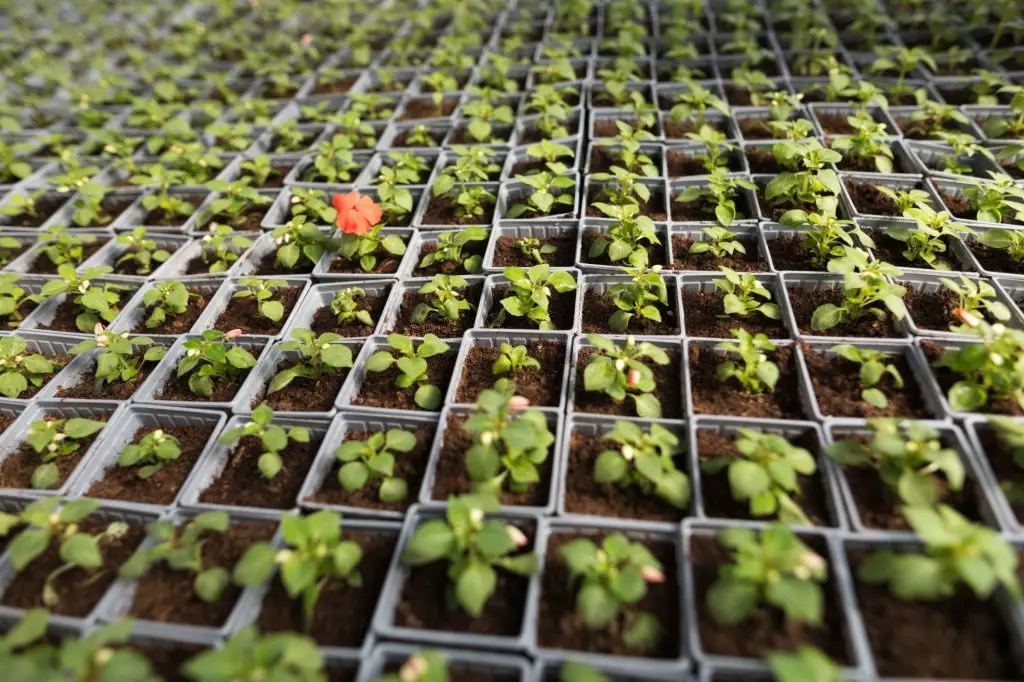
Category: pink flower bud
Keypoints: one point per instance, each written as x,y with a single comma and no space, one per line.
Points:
98,329
969,318
307,39
633,378
650,574
234,333
518,402
413,669
517,536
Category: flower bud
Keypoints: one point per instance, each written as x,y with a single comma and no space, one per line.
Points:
650,574
620,365
517,536
996,359
998,329
476,516
102,340
628,451
518,402
630,341
192,352
813,561
968,318
283,557
413,669
103,656
633,378
307,39
234,333
487,437
58,437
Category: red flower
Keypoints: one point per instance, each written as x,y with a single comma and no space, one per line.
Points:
357,213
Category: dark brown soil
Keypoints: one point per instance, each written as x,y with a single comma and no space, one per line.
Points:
891,251
656,253
711,396
1000,458
506,254
180,324
542,387
441,211
304,396
862,165
994,260
434,324
682,259
704,316
598,309
379,390
426,604
424,107
121,390
243,313
78,591
676,130
499,135
64,314
410,467
123,483
737,96
717,495
224,391
448,267
276,178
762,161
681,165
436,135
560,627
960,637
766,629
932,310
603,158
561,308
42,265
653,208
268,266
325,322
667,389
110,208
166,595
450,477
788,254
242,484
702,210
166,658
921,130
280,613
337,86
775,209
868,200
16,469
46,206
158,218
837,387
803,302
584,495
386,263
756,129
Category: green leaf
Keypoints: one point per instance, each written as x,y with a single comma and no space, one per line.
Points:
81,549
474,587
433,540
210,584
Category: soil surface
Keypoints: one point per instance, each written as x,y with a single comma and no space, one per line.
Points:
667,389
803,303
302,395
434,324
17,468
682,259
379,390
324,321
178,324
243,313
837,388
441,211
84,388
711,396
506,254
242,484
599,308
542,386
704,316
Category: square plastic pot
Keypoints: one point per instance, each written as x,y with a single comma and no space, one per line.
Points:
326,463
16,433
889,180
952,437
600,284
737,159
109,254
705,282
176,267
222,300
495,283
745,232
36,241
639,666
322,271
974,429
601,226
393,308
390,657
393,137
23,190
980,114
420,217
266,142
816,109
50,345
216,458
135,215
382,158
154,384
264,251
957,253
763,114
296,174
929,283
929,154
605,116
518,154
320,296
745,199
513,193
815,281
134,313
976,262
385,625
46,311
518,230
841,586
120,433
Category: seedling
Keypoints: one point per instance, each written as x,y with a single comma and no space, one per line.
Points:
334,162
998,201
509,442
904,200
274,439
625,237
141,251
826,237
363,248
10,247
474,547
694,104
55,438
645,461
928,239
771,567
449,249
620,372
209,361
548,196
262,292
757,374
319,355
976,297
412,366
345,308
638,297
181,548
165,300
719,243
806,664
808,178
233,203
1011,435
220,247
60,246
117,359
404,169
956,551
621,188
259,169
374,458
420,136
78,549
1010,241
529,294
907,457
513,360
20,369
716,149
88,205
745,295
873,370
299,243
444,299
24,206
550,152
156,450
95,302
533,248
962,147
612,579
868,145
720,194
12,298
990,368
550,105
867,290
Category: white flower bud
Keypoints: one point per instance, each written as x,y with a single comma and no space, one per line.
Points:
476,516
413,669
628,451
650,574
517,536
620,365
103,656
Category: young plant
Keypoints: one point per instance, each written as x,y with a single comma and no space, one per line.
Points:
637,297
282,656
625,237
316,555
117,359
693,104
274,439
766,474
548,196
513,360
444,299
806,664
533,248
156,450
374,458
720,194
220,247
95,302
166,300
88,205
772,567
998,201
873,369
60,246
645,461
141,251
806,179
48,525
449,249
755,372
319,355
208,361
259,169
990,368
928,239
262,292
550,152
181,549
359,221
474,547
868,146
334,162
412,366
620,372
20,369
976,297
611,580
826,237
233,203
403,169
867,290
55,438
298,244
509,442
529,293
621,188
716,149
956,551
345,309
908,456
743,294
